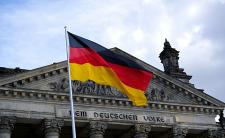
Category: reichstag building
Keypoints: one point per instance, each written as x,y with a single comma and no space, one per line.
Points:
35,104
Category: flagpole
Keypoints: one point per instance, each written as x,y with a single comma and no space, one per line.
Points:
70,88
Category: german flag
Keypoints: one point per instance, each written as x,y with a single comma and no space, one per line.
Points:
91,61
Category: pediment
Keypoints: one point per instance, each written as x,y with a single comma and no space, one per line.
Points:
162,88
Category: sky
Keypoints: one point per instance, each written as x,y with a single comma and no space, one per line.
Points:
32,33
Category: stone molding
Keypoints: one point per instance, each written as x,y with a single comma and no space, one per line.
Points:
7,123
141,130
97,129
107,101
52,125
34,75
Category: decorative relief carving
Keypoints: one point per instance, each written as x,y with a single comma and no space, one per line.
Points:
87,88
61,85
91,88
158,95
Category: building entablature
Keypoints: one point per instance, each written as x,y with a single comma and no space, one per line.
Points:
57,97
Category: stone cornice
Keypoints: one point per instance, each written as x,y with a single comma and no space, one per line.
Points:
48,96
35,73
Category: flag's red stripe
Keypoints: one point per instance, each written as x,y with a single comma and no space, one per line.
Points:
86,55
133,77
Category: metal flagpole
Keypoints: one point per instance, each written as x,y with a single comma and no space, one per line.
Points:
70,87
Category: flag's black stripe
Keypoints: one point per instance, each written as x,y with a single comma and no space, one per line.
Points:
79,42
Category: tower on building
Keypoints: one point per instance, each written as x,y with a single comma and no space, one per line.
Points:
169,58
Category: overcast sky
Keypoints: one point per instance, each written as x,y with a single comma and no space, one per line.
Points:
32,33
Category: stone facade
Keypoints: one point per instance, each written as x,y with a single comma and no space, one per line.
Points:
35,104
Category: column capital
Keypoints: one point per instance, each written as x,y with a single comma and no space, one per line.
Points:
52,125
214,133
141,130
179,132
221,133
97,129
211,133
7,123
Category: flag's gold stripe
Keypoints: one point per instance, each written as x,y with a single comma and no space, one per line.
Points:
106,76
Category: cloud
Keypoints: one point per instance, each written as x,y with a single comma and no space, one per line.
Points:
138,35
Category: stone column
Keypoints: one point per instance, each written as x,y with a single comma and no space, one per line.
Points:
52,127
6,126
178,132
141,130
97,129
